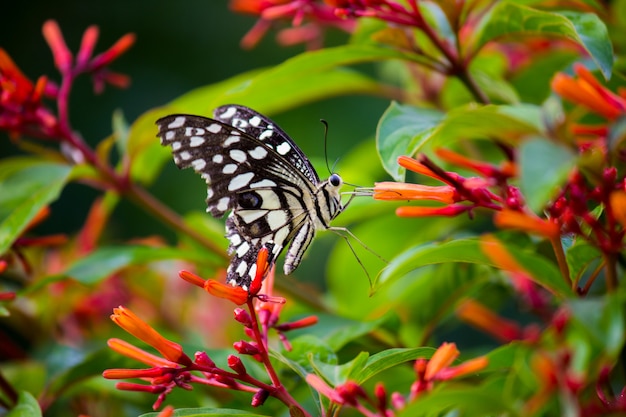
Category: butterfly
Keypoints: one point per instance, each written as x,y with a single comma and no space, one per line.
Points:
255,171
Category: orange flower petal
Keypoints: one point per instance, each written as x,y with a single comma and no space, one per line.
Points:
60,51
442,358
449,211
468,367
130,351
192,278
617,200
479,316
512,219
499,254
237,295
128,321
404,191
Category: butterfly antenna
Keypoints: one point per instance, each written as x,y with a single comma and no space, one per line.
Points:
325,123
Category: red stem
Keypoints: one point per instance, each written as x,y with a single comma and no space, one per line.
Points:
278,390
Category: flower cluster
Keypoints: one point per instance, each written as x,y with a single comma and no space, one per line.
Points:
176,369
308,19
428,372
573,211
22,107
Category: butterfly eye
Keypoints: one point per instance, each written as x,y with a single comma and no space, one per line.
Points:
335,180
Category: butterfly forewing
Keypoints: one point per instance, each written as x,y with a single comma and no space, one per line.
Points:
253,169
263,129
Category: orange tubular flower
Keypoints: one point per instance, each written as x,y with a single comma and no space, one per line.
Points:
443,357
617,199
449,211
588,92
237,295
128,321
439,368
403,191
320,386
126,349
476,314
511,219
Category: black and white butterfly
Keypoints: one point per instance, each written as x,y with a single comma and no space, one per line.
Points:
253,169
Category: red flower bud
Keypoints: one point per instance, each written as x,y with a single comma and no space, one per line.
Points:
236,365
202,359
246,348
243,317
259,398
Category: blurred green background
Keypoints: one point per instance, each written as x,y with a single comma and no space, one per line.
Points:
180,46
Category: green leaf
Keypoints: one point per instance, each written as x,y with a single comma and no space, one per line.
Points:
405,130
305,78
307,349
580,256
587,30
27,406
542,271
402,130
108,260
206,411
543,168
337,331
339,374
467,400
602,319
593,35
389,358
26,185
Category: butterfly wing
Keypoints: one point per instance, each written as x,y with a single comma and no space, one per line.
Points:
249,170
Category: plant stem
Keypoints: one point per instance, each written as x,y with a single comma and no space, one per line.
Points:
279,390
562,261
611,275
146,201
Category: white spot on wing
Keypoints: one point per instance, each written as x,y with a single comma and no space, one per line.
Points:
280,237
240,181
252,271
198,164
214,128
235,239
230,140
196,141
230,112
241,268
276,219
266,134
238,155
222,205
177,122
249,216
263,183
229,168
283,148
243,249
255,121
258,153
